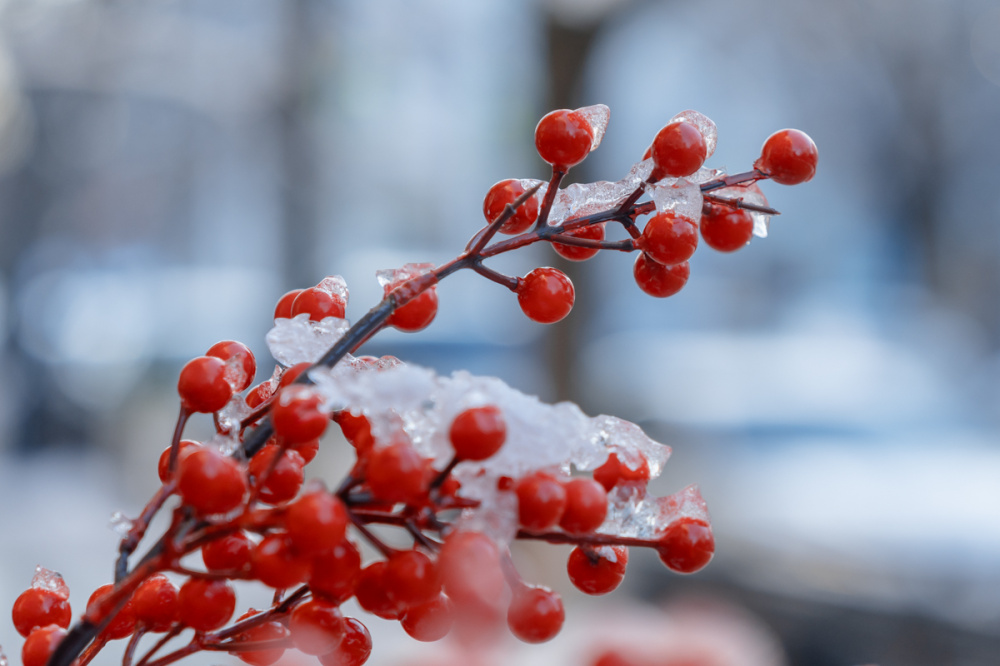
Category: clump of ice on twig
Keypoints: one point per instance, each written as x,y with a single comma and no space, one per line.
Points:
120,524
582,199
751,194
632,513
598,116
680,195
335,285
393,277
705,124
298,339
46,579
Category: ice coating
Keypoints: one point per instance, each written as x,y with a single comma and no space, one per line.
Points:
680,195
750,194
582,199
392,277
632,513
298,339
598,116
335,285
229,417
235,373
703,123
46,579
628,441
119,524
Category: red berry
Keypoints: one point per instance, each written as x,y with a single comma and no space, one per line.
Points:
291,374
541,500
283,310
316,522
268,631
411,578
535,614
296,414
613,472
586,506
678,150
563,138
397,473
372,592
354,649
228,553
470,568
279,481
417,314
275,562
506,192
211,482
789,157
123,623
592,572
259,394
478,432
334,574
430,621
658,280
239,357
545,295
687,545
726,229
669,238
319,304
356,429
185,447
155,603
203,386
40,645
316,627
39,607
575,252
307,450
205,604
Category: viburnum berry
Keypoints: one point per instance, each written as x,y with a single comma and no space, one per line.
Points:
726,229
184,448
319,304
211,482
658,280
687,545
354,649
205,604
316,627
316,522
155,603
228,553
535,614
123,623
429,621
278,473
372,592
563,138
470,568
203,386
40,607
478,432
417,314
789,157
238,355
334,574
275,562
397,473
40,644
597,570
586,506
283,310
669,238
613,472
545,295
506,193
593,232
678,150
296,414
541,500
267,631
411,578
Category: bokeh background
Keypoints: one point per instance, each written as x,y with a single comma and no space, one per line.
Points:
169,168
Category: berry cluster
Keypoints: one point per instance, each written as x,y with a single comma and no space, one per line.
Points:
459,466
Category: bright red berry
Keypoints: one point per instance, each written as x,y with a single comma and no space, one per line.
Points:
595,570
278,473
506,192
268,631
354,649
203,386
319,304
334,573
687,545
283,310
541,500
316,627
275,562
563,138
470,568
669,238
205,604
211,482
658,280
372,592
416,314
478,432
789,157
411,578
39,607
613,472
593,232
316,522
240,358
291,374
356,429
397,473
545,295
123,623
259,394
726,229
307,450
678,150
184,448
586,506
430,621
228,553
155,603
40,645
296,414
535,614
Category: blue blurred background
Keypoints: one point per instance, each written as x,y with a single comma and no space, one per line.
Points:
168,169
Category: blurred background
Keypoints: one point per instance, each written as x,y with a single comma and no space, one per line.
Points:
169,168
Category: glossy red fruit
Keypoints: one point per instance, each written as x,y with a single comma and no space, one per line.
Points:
789,157
307,450
296,414
283,310
316,522
203,386
658,280
185,447
228,553
417,314
586,506
205,604
478,432
669,238
545,295
40,644
333,574
687,545
356,429
614,472
411,578
726,229
506,192
275,562
535,614
279,481
541,500
372,592
397,473
39,607
123,623
155,603
678,150
470,568
291,374
594,232
316,627
268,631
563,138
354,649
430,621
241,360
318,304
259,394
597,570
211,482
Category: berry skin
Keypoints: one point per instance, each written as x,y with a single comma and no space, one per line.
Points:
296,414
417,314
586,506
334,574
275,562
430,621
291,374
470,568
211,482
185,447
678,150
563,138
39,607
155,603
372,592
687,545
789,157
283,479
356,429
228,553
316,627
726,229
397,473
202,385
545,295
541,500
411,578
316,522
658,280
283,310
669,238
40,645
592,573
319,304
478,433
204,604
268,631
613,472
575,252
535,614
506,192
123,623
354,649
245,362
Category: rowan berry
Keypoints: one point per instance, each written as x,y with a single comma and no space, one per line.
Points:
535,614
123,623
614,472
411,578
283,310
155,603
563,138
658,280
275,562
541,500
586,506
202,385
184,448
593,232
397,473
316,627
319,304
789,157
40,607
470,568
669,238
238,356
595,570
205,604
334,573
678,150
211,482
278,480
372,592
429,621
40,644
687,545
296,414
316,522
268,631
354,649
506,193
726,229
478,432
228,553
545,295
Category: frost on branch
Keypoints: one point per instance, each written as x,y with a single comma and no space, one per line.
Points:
298,340
581,199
